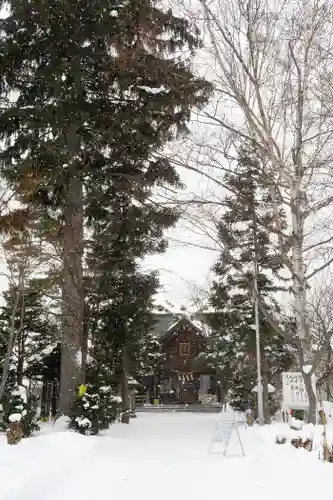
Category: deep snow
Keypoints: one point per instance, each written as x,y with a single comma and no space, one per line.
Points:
160,457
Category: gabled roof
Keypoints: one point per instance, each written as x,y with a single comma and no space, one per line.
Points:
167,317
174,327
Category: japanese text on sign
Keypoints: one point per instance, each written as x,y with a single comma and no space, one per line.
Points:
295,395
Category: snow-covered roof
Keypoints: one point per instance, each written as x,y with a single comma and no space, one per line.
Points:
208,311
167,316
197,324
167,322
174,326
166,307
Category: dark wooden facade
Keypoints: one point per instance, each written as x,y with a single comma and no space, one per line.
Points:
178,378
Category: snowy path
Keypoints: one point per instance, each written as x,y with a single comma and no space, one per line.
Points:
160,457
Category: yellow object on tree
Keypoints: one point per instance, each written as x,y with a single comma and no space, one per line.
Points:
322,417
82,390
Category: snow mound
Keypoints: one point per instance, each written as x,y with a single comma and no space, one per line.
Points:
15,417
83,422
295,424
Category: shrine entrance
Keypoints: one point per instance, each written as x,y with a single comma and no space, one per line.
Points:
189,385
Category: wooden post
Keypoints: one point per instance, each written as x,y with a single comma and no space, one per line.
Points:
249,418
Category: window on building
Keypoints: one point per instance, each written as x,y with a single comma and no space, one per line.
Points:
184,349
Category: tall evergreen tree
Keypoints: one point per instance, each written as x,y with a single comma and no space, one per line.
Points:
91,90
124,231
124,323
246,232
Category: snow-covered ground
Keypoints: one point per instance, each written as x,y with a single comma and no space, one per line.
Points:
160,457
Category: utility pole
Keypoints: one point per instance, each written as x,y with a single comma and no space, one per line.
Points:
260,391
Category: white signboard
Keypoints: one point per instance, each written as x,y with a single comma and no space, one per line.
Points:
295,396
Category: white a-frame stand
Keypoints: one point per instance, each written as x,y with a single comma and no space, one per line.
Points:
222,436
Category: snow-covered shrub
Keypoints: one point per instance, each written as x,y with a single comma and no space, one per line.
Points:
280,439
16,408
295,424
95,410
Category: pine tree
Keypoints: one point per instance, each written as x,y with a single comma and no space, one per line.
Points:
99,89
17,408
125,229
36,331
12,375
246,232
95,410
124,321
151,352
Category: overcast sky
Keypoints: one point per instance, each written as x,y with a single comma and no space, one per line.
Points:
187,263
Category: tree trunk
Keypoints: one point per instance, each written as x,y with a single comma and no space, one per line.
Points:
12,336
21,343
85,337
267,412
221,393
299,288
54,399
124,381
71,371
265,395
312,413
19,369
44,411
20,359
328,390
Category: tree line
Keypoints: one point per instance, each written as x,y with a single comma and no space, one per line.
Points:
91,94
271,65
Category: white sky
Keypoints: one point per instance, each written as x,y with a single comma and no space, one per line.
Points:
186,264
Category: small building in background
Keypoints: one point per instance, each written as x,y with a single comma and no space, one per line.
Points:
179,378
